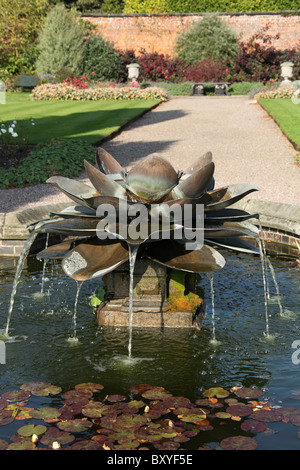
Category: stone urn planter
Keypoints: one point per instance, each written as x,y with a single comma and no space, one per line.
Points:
287,74
133,72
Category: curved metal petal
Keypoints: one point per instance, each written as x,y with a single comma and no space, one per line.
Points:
75,211
174,255
198,163
73,189
57,251
107,162
105,185
196,184
231,229
143,231
236,244
228,195
151,179
229,215
78,226
93,258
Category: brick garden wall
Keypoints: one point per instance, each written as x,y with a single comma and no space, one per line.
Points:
158,33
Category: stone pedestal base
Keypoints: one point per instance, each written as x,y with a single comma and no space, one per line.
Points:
152,306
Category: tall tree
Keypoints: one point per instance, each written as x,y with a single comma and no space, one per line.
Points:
61,42
20,22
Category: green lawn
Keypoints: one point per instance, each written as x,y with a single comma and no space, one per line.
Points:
87,120
287,116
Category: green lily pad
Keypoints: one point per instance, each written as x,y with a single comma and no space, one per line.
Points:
16,395
193,418
46,413
156,393
239,410
29,429
130,421
94,387
93,409
253,426
41,389
248,393
223,415
75,425
238,443
217,392
23,444
136,404
55,435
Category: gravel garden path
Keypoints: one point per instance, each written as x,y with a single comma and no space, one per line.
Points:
247,146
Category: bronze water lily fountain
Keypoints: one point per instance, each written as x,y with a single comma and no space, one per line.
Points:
99,249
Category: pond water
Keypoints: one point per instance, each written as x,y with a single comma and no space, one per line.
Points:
184,361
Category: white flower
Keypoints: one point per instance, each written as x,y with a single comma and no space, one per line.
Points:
14,134
14,122
11,130
3,131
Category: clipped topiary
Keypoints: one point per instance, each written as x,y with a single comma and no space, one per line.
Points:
209,37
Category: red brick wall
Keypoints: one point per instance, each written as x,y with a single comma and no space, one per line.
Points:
158,33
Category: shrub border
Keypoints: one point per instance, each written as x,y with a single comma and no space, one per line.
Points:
200,13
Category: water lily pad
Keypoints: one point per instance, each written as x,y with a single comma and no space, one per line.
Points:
6,417
24,413
75,425
16,395
78,393
24,444
295,419
93,409
135,404
193,418
94,387
223,415
130,445
176,402
167,445
217,392
29,429
46,413
41,389
85,445
68,411
131,421
116,398
3,444
238,443
239,410
3,403
55,435
250,393
267,416
156,393
140,389
253,426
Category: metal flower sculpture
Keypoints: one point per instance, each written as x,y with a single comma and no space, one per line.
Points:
100,244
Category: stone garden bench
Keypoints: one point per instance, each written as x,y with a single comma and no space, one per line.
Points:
27,81
221,88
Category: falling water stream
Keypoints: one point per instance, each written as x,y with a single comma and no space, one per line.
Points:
19,269
44,265
213,341
73,339
133,249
